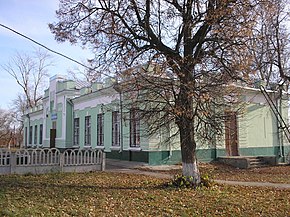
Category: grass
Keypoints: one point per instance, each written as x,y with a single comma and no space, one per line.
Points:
115,194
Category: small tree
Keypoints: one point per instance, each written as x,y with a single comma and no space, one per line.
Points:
200,44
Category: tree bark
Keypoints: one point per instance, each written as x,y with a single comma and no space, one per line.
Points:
185,123
188,153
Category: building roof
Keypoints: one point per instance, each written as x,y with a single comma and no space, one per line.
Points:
81,84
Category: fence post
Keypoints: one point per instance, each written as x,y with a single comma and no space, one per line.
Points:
61,161
103,166
12,162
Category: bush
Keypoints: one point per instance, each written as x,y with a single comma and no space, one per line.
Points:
206,181
180,181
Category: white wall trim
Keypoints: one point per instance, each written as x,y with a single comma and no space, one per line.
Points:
90,103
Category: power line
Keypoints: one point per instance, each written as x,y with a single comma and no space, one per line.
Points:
49,49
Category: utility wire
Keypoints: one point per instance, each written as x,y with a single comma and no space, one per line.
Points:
49,49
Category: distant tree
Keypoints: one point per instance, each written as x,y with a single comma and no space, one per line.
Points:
201,46
271,42
88,74
30,73
6,127
19,106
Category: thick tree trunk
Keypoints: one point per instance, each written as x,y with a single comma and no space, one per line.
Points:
185,123
188,152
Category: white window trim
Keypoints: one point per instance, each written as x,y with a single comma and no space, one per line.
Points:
88,126
135,149
101,128
115,148
114,123
78,131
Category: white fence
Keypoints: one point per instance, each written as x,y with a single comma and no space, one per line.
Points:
38,161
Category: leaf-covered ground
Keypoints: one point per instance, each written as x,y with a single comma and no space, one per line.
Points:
275,174
115,194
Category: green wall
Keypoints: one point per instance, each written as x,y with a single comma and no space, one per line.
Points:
32,123
257,128
174,157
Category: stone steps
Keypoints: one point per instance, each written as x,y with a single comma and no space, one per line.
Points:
246,162
257,162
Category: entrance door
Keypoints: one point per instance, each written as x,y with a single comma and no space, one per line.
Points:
52,138
231,134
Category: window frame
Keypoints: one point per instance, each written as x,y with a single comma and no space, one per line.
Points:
116,135
30,135
135,141
40,134
100,129
25,136
76,136
87,131
35,135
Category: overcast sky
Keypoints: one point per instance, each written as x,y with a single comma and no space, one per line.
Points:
31,18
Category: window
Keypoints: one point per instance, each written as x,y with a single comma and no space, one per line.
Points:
115,128
76,131
40,133
100,130
88,131
134,128
25,136
30,135
35,134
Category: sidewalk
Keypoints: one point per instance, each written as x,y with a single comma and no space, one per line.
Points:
132,168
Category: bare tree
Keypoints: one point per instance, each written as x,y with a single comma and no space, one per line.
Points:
6,127
88,74
271,44
19,106
200,44
30,72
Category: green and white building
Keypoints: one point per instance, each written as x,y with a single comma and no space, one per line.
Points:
78,115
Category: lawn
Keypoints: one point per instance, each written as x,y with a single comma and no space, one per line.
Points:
115,194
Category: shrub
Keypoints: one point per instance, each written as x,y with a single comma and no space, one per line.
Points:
180,181
206,181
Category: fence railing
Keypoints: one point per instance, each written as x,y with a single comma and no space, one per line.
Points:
38,161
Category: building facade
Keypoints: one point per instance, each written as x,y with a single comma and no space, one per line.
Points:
78,115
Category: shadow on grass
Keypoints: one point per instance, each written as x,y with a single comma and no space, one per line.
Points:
44,185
